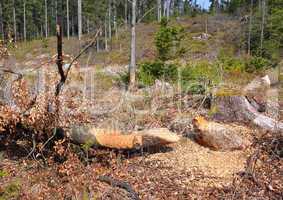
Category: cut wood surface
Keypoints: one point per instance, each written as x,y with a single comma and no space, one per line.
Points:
217,136
119,140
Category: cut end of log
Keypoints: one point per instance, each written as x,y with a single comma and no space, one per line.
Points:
217,136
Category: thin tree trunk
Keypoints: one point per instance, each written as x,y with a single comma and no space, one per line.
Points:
1,23
263,7
46,25
159,10
87,25
132,67
109,22
97,45
105,34
250,28
15,23
56,12
126,13
25,28
68,20
80,19
115,20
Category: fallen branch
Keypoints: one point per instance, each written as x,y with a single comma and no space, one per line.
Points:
20,76
121,184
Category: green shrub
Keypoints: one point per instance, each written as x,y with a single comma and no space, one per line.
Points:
168,40
44,43
150,71
192,87
195,77
200,71
11,191
256,64
229,62
3,173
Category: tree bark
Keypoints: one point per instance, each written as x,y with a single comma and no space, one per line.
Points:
132,67
79,19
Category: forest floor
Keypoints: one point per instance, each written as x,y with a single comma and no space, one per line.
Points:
184,170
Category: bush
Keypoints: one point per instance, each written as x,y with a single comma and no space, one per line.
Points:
195,77
44,43
192,87
150,71
256,64
168,40
229,62
200,71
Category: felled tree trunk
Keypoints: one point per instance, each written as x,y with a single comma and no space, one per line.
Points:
217,136
118,140
244,109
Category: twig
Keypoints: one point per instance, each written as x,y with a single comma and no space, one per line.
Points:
49,139
65,76
120,184
33,146
12,72
146,14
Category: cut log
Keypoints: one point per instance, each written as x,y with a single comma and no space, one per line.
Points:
238,108
217,136
251,103
119,140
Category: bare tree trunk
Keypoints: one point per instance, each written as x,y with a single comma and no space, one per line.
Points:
25,28
250,28
68,20
80,19
167,8
1,23
46,25
109,21
132,67
126,13
15,23
263,8
87,25
105,34
115,20
206,24
159,10
56,12
97,45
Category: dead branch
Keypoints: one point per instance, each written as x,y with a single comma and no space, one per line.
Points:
20,76
121,184
63,75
